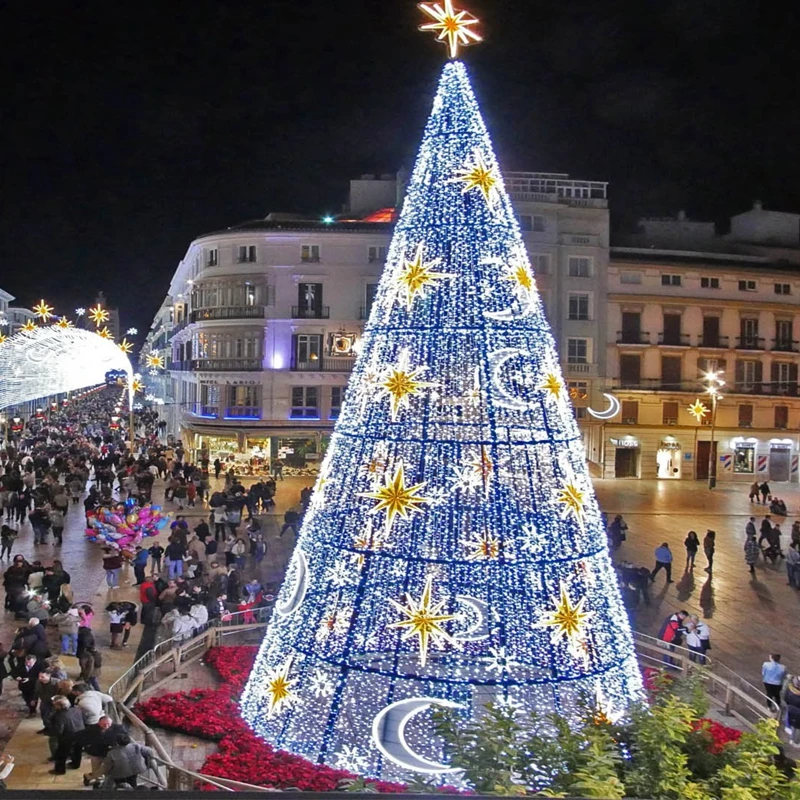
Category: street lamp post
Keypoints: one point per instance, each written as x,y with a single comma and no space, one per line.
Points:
713,384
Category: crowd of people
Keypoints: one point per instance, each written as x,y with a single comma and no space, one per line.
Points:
74,463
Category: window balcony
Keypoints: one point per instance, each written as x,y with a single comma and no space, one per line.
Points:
210,412
674,339
179,326
179,366
785,345
230,312
322,312
749,342
715,342
252,413
226,364
324,364
581,369
633,337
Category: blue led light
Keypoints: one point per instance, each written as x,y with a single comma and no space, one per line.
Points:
456,400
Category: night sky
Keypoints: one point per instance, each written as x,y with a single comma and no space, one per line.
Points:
130,128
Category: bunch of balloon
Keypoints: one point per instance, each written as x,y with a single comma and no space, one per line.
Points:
112,527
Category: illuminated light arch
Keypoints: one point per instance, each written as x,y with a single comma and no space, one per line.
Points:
52,360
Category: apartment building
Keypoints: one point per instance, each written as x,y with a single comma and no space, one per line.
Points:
262,323
5,299
682,303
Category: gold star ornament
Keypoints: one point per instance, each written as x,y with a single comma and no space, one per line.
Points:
573,499
64,323
482,547
155,361
396,498
126,346
416,276
43,311
454,26
477,174
105,333
569,621
98,315
278,691
698,410
30,325
3,337
425,620
552,385
400,383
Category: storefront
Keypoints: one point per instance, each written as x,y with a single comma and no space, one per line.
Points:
626,457
669,458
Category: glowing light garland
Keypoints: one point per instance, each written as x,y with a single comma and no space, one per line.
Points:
433,572
48,361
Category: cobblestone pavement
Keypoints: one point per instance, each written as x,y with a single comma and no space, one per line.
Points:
748,618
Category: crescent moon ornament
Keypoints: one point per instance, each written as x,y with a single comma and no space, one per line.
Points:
389,733
478,631
298,592
504,397
612,410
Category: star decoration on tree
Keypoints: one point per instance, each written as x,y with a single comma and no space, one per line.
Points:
573,498
604,712
424,619
397,499
455,27
552,385
482,468
3,337
698,410
477,174
30,325
569,622
155,361
482,547
417,275
43,311
278,691
105,333
98,315
520,273
64,323
369,540
126,346
399,384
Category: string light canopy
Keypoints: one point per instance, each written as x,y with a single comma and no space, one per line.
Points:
453,553
52,360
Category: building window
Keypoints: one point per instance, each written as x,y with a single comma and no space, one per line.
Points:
247,254
748,375
540,263
579,307
783,288
744,458
784,334
539,224
212,257
784,377
580,412
630,412
709,283
580,267
305,402
747,286
670,280
671,372
307,350
377,255
578,390
577,351
745,415
309,253
309,301
370,292
630,277
337,398
525,222
669,413
781,417
630,370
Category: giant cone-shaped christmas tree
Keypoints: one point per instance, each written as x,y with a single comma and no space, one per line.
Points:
453,553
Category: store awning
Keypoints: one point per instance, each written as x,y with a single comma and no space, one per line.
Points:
255,432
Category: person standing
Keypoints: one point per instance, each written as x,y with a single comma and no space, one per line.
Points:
765,492
112,564
773,674
765,530
277,469
57,523
27,676
7,538
290,520
156,553
753,492
663,561
140,564
67,726
793,566
692,545
174,554
217,468
126,760
97,742
709,547
751,552
703,633
791,698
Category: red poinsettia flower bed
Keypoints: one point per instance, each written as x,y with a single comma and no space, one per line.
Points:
242,756
718,735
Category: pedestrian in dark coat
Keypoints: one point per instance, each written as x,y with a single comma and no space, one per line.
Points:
67,726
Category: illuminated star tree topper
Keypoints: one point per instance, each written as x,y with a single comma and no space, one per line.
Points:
455,27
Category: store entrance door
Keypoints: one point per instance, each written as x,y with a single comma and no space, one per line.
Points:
626,462
668,459
701,465
779,463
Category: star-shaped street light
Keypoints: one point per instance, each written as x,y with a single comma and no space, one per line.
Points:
64,323
126,346
424,619
155,361
43,311
455,27
105,333
98,315
698,410
30,325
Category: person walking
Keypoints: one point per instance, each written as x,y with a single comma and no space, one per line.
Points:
791,699
765,530
7,538
290,520
126,760
753,496
793,566
67,726
773,674
709,547
751,552
692,545
97,742
112,564
277,469
140,565
663,561
765,492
